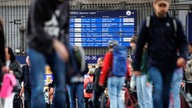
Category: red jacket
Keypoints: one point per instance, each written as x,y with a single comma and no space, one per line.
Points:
107,65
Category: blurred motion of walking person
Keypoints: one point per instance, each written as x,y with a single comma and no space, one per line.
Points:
47,31
164,36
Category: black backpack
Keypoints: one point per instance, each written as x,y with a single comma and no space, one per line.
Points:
174,21
17,102
77,63
89,87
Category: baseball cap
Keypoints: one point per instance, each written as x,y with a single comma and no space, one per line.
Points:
162,1
113,43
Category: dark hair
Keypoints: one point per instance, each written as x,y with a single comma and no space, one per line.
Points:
93,66
101,58
133,39
190,43
12,55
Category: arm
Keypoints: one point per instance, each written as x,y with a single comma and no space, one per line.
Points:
95,74
182,41
142,39
86,80
23,70
107,63
21,92
86,69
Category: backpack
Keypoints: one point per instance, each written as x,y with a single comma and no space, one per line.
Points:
119,67
76,64
89,87
17,101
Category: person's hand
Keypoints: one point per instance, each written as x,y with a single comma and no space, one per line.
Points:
101,85
137,73
182,84
148,84
61,50
4,69
181,62
20,95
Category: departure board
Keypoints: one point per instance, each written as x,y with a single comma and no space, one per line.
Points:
93,28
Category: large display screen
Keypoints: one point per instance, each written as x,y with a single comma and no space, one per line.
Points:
91,28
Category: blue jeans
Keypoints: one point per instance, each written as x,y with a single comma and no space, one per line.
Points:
38,62
114,88
76,90
144,92
175,88
27,97
161,82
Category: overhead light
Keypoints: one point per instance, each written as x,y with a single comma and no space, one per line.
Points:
17,51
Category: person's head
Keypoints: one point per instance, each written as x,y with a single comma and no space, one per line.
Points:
133,42
9,54
27,60
100,61
161,7
112,43
91,73
190,48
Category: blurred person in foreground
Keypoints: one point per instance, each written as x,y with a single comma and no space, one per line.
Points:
47,31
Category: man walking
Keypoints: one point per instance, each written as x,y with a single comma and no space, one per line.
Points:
46,32
115,68
164,36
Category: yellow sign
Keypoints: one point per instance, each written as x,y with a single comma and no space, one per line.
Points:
48,70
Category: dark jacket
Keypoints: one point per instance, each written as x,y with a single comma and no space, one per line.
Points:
26,76
2,47
163,43
96,78
17,71
40,13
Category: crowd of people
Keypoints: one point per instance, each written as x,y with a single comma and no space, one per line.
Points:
156,67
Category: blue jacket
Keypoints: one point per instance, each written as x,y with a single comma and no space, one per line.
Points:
163,43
